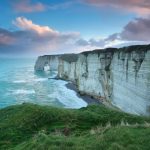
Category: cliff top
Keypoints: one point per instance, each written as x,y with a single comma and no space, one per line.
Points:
49,56
74,57
69,57
65,57
135,48
112,50
125,49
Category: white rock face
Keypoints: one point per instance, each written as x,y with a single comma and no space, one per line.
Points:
93,77
131,82
48,60
119,76
67,67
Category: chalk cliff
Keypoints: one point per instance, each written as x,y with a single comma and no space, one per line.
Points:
47,60
117,76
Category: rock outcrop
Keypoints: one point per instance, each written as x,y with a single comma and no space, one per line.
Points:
47,60
117,76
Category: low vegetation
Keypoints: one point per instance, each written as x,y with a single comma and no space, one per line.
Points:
34,127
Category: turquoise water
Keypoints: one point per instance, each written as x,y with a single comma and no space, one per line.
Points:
20,83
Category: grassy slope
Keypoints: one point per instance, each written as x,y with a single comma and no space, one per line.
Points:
30,126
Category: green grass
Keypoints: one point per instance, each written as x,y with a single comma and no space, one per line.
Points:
34,127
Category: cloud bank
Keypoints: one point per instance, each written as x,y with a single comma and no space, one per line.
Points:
135,32
138,29
140,7
34,38
31,38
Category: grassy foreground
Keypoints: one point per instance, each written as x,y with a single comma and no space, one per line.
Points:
34,127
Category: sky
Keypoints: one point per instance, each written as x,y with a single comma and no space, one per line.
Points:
43,27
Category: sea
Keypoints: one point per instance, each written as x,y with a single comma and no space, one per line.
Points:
19,83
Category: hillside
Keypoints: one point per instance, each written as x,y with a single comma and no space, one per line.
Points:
29,126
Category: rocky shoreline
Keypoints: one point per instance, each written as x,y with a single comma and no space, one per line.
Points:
88,99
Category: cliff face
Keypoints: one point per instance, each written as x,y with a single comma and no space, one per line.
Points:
119,76
48,60
131,81
67,67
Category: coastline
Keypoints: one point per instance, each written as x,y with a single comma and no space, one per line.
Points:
88,99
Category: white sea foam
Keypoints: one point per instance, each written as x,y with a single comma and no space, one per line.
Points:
31,80
40,79
21,91
66,96
19,81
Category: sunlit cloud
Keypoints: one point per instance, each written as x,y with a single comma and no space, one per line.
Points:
135,32
140,7
6,38
138,29
38,40
35,38
26,24
27,6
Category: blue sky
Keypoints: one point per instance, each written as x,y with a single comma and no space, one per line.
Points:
68,26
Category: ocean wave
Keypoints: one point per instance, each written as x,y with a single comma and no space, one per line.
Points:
66,96
21,91
19,81
40,79
31,80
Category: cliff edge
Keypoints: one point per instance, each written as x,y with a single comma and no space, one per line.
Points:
117,76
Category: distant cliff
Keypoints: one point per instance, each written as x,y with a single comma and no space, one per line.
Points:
47,60
117,76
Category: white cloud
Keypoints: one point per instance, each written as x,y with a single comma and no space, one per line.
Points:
137,30
34,38
26,24
39,40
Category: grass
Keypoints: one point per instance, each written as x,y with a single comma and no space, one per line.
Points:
34,127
